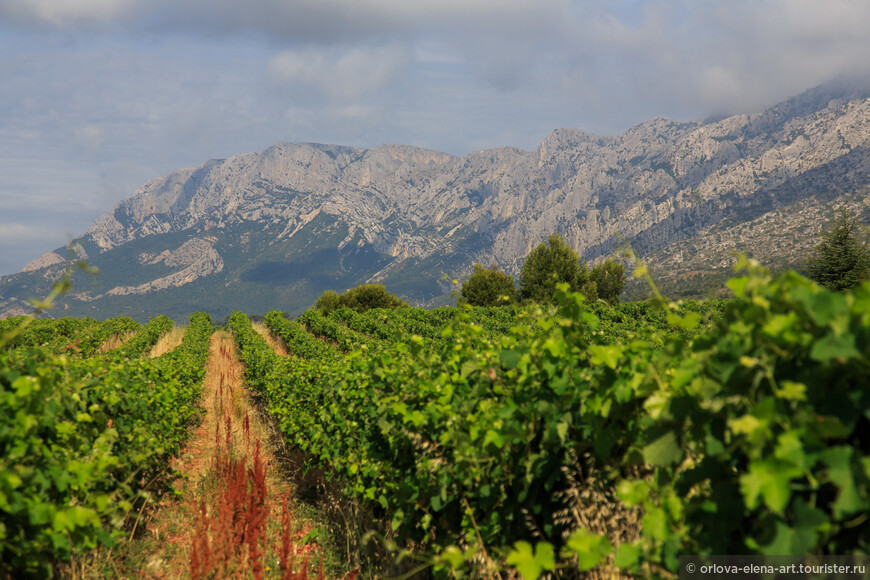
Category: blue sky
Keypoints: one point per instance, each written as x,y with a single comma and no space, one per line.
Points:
98,96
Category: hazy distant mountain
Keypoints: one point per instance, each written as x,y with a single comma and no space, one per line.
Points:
274,229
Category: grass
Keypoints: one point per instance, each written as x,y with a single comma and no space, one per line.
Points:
168,342
115,341
272,340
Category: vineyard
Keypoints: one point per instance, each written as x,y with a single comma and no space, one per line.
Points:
475,442
83,434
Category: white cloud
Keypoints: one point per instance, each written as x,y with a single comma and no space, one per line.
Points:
342,74
91,136
820,22
670,54
20,232
66,12
290,20
100,95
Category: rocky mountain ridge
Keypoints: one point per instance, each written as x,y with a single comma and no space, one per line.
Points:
308,216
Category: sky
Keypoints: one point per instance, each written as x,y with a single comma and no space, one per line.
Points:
99,96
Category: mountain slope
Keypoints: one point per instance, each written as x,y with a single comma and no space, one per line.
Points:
274,229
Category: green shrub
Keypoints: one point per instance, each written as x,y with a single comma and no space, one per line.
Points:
549,265
328,301
840,261
361,299
609,279
488,287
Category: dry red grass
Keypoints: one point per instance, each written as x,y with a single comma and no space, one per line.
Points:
231,533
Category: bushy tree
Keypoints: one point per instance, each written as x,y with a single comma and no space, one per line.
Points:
361,299
552,263
841,260
328,301
488,287
609,279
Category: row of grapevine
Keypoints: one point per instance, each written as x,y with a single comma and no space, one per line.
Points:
621,321
47,333
298,340
745,435
83,336
387,325
293,390
287,385
328,329
82,439
146,338
89,342
497,321
353,416
652,322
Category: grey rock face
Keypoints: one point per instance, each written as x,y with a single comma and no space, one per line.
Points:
659,182
196,258
44,261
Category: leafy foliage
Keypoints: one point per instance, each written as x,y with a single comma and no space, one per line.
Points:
343,337
759,435
395,325
90,342
47,333
548,265
361,298
734,426
755,432
391,421
298,341
328,301
608,279
146,337
488,287
82,439
77,336
840,261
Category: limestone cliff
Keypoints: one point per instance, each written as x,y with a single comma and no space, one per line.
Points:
404,215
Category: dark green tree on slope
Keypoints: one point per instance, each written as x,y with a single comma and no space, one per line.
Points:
550,264
361,299
488,287
609,279
842,259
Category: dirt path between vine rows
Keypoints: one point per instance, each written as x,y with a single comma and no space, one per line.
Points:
168,342
270,339
231,517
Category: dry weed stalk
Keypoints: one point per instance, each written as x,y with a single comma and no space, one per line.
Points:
231,529
590,503
237,526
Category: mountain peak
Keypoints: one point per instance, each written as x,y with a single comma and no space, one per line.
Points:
273,229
